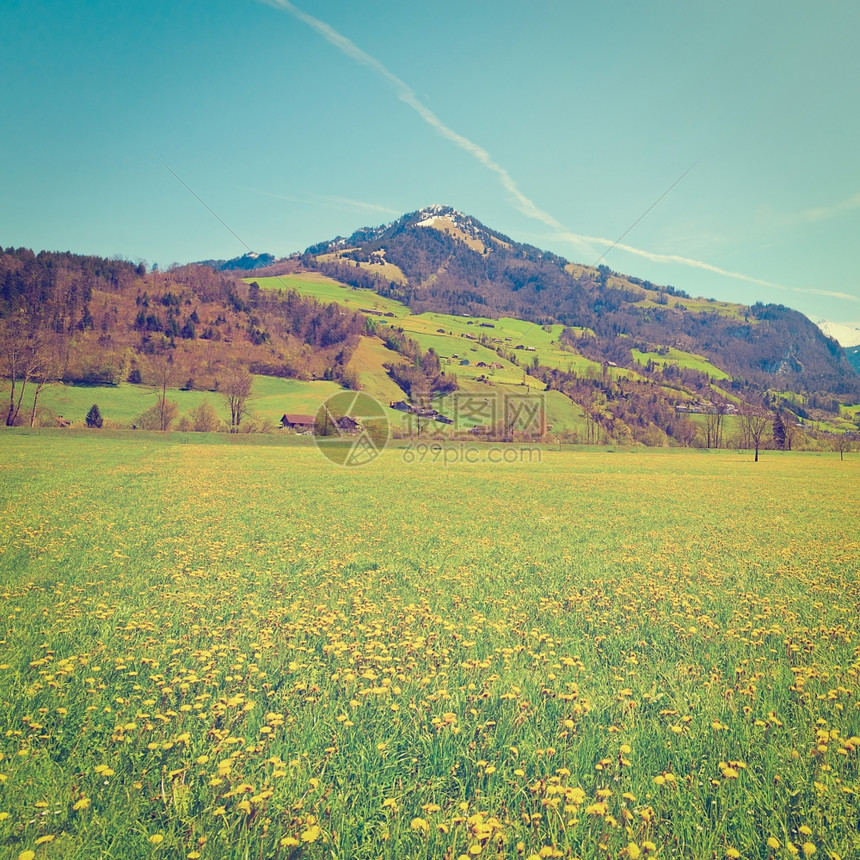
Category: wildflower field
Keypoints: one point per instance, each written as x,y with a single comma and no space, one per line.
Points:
234,650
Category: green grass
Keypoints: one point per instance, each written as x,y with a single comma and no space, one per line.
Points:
681,359
326,290
120,405
369,360
506,333
245,651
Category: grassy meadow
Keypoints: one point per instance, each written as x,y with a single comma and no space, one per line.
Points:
240,650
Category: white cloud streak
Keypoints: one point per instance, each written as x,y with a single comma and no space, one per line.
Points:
699,264
407,95
528,207
824,213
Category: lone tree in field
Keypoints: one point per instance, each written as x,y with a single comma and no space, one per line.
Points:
756,420
94,417
161,375
237,391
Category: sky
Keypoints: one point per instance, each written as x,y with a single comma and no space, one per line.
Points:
713,147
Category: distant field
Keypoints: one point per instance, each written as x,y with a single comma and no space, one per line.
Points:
326,290
369,360
239,650
122,404
681,359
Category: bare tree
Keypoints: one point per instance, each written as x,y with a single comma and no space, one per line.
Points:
755,422
238,391
204,418
789,428
52,352
843,443
160,376
22,355
714,418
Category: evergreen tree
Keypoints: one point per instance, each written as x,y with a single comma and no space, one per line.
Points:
778,432
94,417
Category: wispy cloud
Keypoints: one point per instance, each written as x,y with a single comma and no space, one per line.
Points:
700,264
824,213
528,207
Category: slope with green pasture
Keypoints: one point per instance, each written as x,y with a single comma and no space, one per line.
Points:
368,361
120,405
446,333
323,289
681,359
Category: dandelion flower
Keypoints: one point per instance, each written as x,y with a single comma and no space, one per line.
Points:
312,833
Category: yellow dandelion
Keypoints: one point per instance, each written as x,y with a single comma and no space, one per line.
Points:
312,833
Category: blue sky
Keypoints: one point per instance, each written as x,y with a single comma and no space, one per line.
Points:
558,123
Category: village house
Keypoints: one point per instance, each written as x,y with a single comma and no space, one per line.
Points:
299,423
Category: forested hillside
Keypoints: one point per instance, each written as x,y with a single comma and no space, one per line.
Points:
448,262
90,320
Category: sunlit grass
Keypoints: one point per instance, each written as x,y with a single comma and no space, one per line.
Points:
245,651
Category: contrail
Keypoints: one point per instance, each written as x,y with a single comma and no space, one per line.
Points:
406,94
528,207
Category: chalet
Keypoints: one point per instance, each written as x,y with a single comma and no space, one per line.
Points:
464,362
299,423
347,424
400,406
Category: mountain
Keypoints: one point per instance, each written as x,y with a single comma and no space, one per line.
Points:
439,259
847,335
853,353
75,319
246,263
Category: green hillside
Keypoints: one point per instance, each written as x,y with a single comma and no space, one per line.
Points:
120,405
